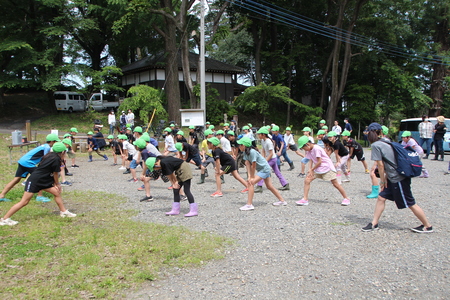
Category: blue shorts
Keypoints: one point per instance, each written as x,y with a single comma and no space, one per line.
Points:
24,171
263,175
400,193
305,160
133,164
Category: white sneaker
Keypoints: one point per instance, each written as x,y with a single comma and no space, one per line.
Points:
279,203
67,213
247,207
122,168
8,222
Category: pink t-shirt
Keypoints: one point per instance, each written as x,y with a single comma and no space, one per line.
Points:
327,163
413,144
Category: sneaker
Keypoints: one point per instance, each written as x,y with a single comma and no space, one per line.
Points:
183,197
90,160
345,202
216,194
301,175
106,158
141,188
284,188
43,199
244,190
5,200
425,176
127,171
113,165
302,202
258,189
69,174
8,222
170,188
367,171
447,173
67,213
147,199
122,168
23,183
280,203
66,183
133,180
247,207
346,179
423,229
370,227
74,166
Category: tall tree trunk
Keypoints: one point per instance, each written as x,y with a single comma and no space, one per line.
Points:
258,33
187,70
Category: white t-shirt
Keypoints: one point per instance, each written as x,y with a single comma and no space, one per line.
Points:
226,146
129,147
289,139
267,145
130,118
111,119
170,145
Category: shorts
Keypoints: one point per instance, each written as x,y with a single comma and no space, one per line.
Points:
130,157
33,188
117,153
263,175
305,160
71,154
293,147
400,193
227,169
359,155
196,158
209,160
24,171
133,164
328,176
172,153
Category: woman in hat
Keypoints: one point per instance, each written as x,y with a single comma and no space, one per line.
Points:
438,139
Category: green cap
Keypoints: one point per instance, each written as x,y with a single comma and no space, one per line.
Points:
276,128
220,132
208,132
167,129
320,132
180,132
145,138
226,124
67,141
230,132
307,129
385,130
59,147
246,141
192,127
179,146
211,127
138,129
406,133
288,128
140,143
250,125
122,137
346,133
150,162
245,127
325,127
263,130
52,138
302,141
207,123
129,128
67,135
322,122
215,141
145,134
110,137
332,133
73,129
172,125
90,133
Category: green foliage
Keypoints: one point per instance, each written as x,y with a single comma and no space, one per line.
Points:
144,99
216,108
361,99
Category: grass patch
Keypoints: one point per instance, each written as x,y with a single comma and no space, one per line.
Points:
83,121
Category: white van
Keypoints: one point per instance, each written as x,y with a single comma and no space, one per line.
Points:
69,101
413,126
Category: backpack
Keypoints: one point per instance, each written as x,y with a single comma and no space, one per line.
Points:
408,160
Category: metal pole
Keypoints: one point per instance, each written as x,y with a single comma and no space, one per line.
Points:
202,60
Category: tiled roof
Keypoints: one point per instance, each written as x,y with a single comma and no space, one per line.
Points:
158,62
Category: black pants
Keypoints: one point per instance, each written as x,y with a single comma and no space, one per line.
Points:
187,190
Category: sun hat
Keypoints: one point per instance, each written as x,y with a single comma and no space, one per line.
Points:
59,147
150,162
307,129
230,132
146,138
167,129
346,133
52,138
245,127
67,141
246,141
140,143
263,130
138,129
374,126
288,129
332,133
179,146
320,132
406,133
250,125
385,130
180,132
215,141
207,132
220,132
275,128
441,119
73,129
302,141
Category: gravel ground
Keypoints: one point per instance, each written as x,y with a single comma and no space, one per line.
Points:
292,252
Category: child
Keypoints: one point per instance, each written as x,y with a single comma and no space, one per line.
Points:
225,164
280,147
206,156
180,137
71,152
257,169
323,168
45,177
116,149
268,153
320,136
224,142
306,132
180,175
64,182
341,154
249,133
93,146
169,144
408,140
193,138
136,159
355,149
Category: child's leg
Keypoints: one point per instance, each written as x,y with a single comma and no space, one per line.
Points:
365,164
9,186
307,186
239,178
62,174
16,207
187,190
98,152
147,186
274,191
58,199
115,158
418,212
273,164
218,183
339,188
133,172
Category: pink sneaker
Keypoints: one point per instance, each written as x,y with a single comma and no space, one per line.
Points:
244,190
345,202
302,202
216,194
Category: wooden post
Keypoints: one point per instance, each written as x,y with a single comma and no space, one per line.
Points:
151,120
28,129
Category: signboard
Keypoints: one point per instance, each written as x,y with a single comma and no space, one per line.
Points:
193,117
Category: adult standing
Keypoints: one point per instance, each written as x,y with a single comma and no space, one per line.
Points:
426,134
438,139
123,121
130,118
348,126
111,122
336,128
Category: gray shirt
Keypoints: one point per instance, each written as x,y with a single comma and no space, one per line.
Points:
382,150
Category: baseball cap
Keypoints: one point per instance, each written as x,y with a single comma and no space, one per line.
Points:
245,127
73,129
207,132
52,138
307,129
180,132
332,133
288,128
211,127
220,132
90,133
385,130
168,129
275,128
179,146
406,133
172,125
302,141
215,141
320,132
67,141
245,141
325,127
140,143
59,147
110,137
346,133
263,130
230,132
374,126
146,138
192,127
67,135
138,129
322,121
226,124
150,162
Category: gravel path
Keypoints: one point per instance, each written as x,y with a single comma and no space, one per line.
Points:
292,252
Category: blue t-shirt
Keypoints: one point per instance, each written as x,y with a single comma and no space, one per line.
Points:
348,127
33,157
261,163
92,142
154,142
278,139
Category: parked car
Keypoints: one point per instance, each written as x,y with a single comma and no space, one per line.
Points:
69,101
100,101
413,126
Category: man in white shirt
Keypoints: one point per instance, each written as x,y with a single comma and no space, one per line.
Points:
130,118
336,128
